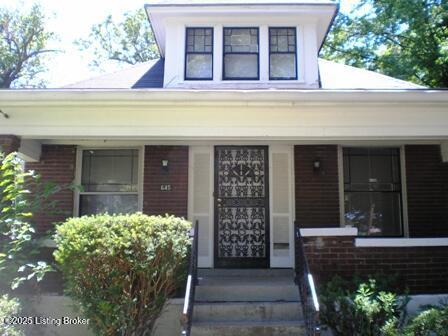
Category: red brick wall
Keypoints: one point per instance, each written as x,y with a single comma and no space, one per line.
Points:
155,201
57,164
421,269
427,191
9,143
316,192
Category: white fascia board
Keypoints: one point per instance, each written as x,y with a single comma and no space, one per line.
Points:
329,232
400,242
132,97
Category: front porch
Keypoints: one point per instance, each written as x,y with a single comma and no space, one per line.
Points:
185,181
316,146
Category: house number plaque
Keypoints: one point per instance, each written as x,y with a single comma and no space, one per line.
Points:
165,187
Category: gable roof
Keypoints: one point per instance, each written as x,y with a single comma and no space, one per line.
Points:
332,76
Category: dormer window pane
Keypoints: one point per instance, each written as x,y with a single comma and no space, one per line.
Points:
241,47
282,53
199,54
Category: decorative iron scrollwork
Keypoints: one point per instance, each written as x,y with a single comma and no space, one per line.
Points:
241,189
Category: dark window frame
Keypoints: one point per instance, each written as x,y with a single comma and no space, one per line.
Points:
186,53
283,52
224,53
80,163
399,190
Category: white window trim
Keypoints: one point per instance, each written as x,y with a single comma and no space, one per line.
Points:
329,232
78,173
404,199
263,56
400,242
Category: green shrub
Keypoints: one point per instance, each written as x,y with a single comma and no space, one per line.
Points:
365,311
8,307
122,268
432,321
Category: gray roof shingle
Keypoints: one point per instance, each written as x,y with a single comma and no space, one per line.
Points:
332,76
142,75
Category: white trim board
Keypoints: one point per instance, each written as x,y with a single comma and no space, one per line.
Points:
400,242
329,232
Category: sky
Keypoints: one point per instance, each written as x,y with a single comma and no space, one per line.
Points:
72,20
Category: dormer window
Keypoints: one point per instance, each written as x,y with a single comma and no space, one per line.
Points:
199,54
241,54
282,53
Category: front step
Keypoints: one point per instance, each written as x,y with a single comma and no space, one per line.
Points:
247,303
244,289
272,328
247,311
246,273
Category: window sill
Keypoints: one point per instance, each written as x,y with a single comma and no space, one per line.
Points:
329,232
400,242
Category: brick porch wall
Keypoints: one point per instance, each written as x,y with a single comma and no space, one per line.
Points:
427,189
421,269
9,143
316,192
155,201
57,165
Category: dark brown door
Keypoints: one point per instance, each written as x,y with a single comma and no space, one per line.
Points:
241,207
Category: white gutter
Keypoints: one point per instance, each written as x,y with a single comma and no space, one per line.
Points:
132,97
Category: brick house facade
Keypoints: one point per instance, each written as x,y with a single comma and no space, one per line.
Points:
422,269
357,159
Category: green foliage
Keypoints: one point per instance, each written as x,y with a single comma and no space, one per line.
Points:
406,39
432,321
122,268
23,41
365,311
17,206
129,41
8,307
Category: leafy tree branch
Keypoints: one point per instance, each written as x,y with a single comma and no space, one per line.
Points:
23,46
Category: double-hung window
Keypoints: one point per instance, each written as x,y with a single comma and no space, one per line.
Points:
199,54
109,180
372,191
282,53
241,54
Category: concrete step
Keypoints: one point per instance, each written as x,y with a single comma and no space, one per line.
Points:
278,328
247,311
243,289
265,272
255,293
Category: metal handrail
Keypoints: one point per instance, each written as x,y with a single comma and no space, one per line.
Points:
305,282
192,280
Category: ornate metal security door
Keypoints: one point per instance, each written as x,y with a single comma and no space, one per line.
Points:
241,207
